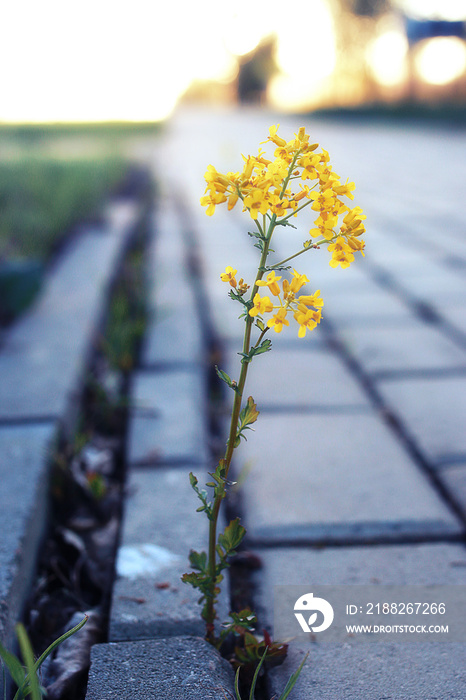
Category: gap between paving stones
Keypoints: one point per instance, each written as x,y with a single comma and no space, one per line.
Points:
43,361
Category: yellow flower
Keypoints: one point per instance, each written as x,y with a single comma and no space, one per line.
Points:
278,321
271,282
262,305
219,181
211,200
307,320
311,299
309,163
279,206
346,189
323,200
277,140
256,202
356,244
298,281
232,199
229,276
342,254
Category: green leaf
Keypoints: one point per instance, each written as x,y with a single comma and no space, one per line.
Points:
265,346
198,560
292,680
31,679
193,579
232,536
14,666
237,693
256,674
248,414
284,223
225,378
61,639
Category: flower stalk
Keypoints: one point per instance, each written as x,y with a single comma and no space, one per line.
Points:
264,187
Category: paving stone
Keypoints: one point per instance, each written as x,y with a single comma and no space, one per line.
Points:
317,477
433,283
416,346
161,525
174,331
180,668
454,479
303,378
456,315
369,306
168,417
44,355
24,455
432,411
367,671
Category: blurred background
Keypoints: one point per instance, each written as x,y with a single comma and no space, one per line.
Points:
106,61
79,82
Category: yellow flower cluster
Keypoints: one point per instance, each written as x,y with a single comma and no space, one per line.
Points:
265,188
306,308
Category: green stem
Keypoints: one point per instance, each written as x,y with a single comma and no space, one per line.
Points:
212,553
312,246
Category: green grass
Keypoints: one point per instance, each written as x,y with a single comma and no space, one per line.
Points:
53,176
42,198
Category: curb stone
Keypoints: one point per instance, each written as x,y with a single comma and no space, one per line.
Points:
24,468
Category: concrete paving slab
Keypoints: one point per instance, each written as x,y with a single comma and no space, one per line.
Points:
174,332
314,477
456,315
367,671
432,411
369,306
438,283
180,668
453,477
45,353
160,528
168,416
300,378
416,346
24,467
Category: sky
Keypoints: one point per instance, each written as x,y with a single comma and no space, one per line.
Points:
62,60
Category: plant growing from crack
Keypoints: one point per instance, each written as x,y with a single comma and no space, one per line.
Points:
27,677
273,193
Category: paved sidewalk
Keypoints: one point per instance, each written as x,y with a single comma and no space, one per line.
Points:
357,467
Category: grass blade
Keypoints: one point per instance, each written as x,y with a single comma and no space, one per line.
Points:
256,674
31,682
14,666
293,678
237,693
58,641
